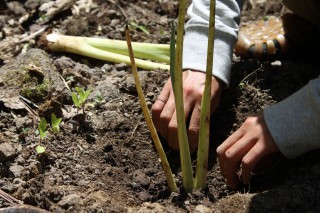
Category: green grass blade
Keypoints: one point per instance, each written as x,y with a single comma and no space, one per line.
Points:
203,149
178,94
165,164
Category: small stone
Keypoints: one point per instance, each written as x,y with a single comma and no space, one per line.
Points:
7,188
121,74
70,200
7,152
17,182
276,63
106,68
121,66
202,209
150,95
83,183
16,170
97,171
27,198
35,168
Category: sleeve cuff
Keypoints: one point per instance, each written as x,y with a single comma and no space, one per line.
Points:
195,53
294,123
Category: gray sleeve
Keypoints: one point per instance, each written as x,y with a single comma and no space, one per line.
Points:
294,123
196,36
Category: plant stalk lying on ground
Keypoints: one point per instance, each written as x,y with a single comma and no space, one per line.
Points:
165,164
111,50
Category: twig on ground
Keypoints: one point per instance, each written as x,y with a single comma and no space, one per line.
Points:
8,198
33,35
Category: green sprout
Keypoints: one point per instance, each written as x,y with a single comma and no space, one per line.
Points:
42,128
98,100
55,123
43,131
80,97
135,26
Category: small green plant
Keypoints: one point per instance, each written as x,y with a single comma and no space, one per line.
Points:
135,26
98,100
55,123
80,97
43,131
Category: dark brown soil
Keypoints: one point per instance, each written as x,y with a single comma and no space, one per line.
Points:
106,162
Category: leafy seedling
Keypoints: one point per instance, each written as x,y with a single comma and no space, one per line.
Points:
135,26
43,131
98,100
42,128
80,97
55,123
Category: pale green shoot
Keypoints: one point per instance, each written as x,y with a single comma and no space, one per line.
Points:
40,149
55,122
135,26
42,128
79,97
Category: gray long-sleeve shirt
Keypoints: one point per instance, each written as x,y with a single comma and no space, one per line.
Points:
294,123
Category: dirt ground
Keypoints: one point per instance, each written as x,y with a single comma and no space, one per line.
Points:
106,162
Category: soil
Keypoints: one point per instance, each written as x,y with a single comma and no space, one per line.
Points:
104,160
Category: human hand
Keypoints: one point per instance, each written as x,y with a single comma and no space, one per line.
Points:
164,109
244,149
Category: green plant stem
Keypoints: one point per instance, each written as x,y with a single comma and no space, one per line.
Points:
155,52
111,50
204,132
172,52
178,94
165,164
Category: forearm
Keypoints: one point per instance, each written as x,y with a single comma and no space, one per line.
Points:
196,36
294,123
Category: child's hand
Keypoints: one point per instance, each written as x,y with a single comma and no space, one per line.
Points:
240,153
164,109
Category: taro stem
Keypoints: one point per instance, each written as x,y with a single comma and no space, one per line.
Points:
187,176
165,165
110,50
204,132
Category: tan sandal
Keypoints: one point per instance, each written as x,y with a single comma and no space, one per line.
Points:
275,36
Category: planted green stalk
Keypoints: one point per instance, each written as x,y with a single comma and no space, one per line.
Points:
165,164
110,50
172,52
204,132
187,176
